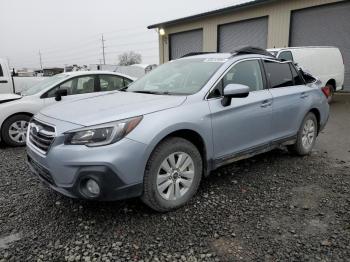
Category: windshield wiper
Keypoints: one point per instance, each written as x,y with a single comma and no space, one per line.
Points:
151,92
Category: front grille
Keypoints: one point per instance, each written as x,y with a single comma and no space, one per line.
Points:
41,135
41,171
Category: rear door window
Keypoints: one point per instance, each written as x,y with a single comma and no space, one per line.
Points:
286,56
278,74
1,72
111,82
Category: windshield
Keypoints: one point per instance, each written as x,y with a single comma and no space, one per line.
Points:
43,84
179,77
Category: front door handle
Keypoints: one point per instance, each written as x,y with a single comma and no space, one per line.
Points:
3,81
304,95
266,103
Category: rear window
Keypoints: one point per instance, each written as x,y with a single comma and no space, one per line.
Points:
278,74
286,56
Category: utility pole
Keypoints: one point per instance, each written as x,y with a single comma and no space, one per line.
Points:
41,62
103,50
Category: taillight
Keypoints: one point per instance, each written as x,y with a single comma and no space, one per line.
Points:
326,91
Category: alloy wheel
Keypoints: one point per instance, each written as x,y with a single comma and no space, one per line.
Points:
18,131
308,134
175,176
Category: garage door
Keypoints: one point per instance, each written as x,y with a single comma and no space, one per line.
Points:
327,25
251,32
185,42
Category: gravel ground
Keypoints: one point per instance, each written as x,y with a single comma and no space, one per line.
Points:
273,207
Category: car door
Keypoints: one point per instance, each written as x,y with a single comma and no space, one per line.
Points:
245,124
5,82
289,94
77,87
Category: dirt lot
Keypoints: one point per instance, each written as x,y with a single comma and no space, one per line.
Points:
273,207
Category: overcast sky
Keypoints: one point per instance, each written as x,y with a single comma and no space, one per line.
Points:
69,31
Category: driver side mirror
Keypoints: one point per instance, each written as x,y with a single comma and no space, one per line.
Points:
234,91
59,93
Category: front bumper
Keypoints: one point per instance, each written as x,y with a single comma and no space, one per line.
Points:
117,168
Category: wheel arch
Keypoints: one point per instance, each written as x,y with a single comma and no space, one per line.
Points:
317,113
332,82
192,136
15,114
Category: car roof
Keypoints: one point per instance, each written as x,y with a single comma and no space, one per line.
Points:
298,47
96,72
227,56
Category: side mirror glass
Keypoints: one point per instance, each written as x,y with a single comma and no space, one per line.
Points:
59,93
234,91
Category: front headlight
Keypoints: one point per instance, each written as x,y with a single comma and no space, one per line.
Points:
103,134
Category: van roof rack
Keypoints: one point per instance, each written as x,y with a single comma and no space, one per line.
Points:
246,50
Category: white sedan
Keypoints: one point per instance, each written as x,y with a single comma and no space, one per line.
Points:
17,110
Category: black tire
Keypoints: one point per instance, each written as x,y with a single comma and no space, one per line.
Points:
331,93
151,196
298,148
6,126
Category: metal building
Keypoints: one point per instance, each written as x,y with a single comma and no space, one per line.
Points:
263,23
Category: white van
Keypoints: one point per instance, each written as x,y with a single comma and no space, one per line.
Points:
10,85
324,62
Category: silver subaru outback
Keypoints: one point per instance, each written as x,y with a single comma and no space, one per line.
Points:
157,138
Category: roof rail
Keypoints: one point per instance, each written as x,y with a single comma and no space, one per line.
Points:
197,53
246,50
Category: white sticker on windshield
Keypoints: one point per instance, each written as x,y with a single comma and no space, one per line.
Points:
215,60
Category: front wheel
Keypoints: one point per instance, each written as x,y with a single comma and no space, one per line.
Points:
14,130
172,175
306,137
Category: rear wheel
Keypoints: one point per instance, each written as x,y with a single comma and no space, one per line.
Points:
172,175
331,92
306,136
14,130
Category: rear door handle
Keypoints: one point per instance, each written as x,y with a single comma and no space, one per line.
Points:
304,95
266,103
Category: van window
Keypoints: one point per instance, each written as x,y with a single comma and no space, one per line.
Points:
286,56
296,77
1,72
278,74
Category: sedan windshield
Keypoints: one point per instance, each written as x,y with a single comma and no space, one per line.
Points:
179,77
50,81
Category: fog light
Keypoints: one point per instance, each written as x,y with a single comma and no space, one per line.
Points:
92,187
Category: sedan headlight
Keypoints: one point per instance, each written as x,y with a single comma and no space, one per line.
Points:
103,134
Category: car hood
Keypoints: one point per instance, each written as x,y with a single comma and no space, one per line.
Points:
9,97
111,107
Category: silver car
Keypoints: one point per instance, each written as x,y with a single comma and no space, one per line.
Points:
157,138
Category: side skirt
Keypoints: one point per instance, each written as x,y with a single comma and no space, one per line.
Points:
253,151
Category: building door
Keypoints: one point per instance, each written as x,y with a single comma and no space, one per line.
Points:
327,25
185,42
252,32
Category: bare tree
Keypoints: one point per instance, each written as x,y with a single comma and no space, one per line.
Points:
129,58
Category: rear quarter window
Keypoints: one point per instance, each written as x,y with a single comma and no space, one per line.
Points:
1,72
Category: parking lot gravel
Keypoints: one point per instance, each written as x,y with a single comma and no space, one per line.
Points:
273,207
